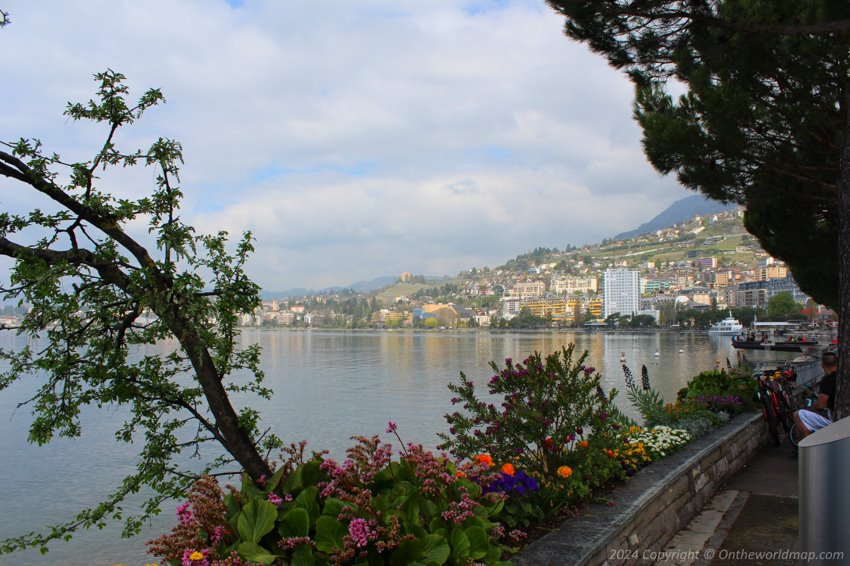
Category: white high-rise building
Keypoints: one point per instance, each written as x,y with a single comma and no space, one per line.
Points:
621,292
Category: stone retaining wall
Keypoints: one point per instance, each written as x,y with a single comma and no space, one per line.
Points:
653,505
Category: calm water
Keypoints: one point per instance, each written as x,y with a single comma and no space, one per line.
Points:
328,386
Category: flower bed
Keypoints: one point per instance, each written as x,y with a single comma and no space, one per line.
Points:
554,443
644,514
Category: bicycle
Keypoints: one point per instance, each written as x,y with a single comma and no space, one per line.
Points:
776,406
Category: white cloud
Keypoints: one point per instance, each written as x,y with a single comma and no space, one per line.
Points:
355,139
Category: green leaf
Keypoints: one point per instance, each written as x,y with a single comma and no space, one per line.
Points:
408,552
460,545
250,489
295,523
411,509
302,556
329,533
437,549
307,500
273,481
494,508
253,552
479,542
333,507
256,520
311,473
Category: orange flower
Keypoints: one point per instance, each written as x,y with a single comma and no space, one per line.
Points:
584,444
485,459
611,453
508,469
460,474
565,471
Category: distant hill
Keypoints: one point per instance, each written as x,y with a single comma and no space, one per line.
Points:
361,287
679,211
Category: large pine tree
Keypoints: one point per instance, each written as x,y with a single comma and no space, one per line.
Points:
764,120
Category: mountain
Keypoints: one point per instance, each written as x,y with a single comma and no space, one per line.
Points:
360,287
680,211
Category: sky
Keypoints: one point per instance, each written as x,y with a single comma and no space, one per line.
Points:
353,139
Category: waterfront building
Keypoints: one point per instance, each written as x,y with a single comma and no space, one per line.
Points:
621,291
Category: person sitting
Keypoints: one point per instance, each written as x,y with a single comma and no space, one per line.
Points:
809,421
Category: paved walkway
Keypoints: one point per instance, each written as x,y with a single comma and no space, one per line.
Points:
750,520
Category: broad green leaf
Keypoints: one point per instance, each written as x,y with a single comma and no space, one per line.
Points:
479,542
494,508
295,523
408,552
329,533
437,549
256,520
273,481
307,500
250,489
333,507
311,473
253,552
302,556
460,545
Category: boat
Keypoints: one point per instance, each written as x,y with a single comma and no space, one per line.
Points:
729,326
776,337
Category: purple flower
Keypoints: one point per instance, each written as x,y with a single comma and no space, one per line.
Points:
519,483
589,370
603,415
391,427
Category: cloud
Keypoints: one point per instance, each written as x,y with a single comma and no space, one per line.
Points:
354,139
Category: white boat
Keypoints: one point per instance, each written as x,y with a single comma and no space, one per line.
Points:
729,326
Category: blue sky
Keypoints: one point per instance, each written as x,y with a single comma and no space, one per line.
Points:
354,139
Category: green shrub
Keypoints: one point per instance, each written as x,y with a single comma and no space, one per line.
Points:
554,422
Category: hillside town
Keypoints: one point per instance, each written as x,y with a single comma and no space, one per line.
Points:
706,263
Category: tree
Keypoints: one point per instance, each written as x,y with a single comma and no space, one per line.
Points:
782,306
765,121
97,293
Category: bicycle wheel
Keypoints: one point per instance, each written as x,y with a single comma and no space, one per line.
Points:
771,418
794,436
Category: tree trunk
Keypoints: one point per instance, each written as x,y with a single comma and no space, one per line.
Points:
842,394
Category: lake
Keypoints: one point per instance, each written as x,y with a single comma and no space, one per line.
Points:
329,385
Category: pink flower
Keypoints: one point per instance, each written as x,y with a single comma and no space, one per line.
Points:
184,514
274,499
391,427
360,531
218,534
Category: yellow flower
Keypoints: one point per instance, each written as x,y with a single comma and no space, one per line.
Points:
565,471
196,556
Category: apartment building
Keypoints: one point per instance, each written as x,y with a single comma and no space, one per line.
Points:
621,291
529,289
571,285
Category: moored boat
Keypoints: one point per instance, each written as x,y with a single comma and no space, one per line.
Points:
729,326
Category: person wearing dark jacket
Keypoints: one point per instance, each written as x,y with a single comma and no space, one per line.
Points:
821,411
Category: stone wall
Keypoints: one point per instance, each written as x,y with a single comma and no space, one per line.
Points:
653,505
